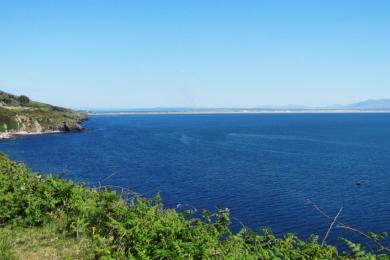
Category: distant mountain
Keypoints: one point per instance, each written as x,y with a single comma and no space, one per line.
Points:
371,104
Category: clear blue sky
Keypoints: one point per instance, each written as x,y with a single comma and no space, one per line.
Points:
198,53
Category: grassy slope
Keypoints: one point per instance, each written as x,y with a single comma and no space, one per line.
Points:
50,218
42,243
47,116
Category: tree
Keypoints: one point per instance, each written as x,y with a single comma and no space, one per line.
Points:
23,100
5,99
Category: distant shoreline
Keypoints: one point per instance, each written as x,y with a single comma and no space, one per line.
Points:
207,112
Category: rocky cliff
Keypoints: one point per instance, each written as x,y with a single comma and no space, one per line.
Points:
20,115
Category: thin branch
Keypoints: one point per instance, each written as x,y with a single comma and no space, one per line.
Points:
239,221
381,247
109,176
330,227
180,205
344,226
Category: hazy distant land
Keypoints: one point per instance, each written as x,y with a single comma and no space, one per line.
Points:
368,106
239,111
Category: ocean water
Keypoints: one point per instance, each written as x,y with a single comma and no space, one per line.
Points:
263,167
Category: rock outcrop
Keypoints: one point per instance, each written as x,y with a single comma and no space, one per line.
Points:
18,118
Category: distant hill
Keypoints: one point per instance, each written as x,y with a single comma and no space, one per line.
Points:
371,104
20,115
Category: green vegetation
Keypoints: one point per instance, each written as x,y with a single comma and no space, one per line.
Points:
51,218
23,100
19,113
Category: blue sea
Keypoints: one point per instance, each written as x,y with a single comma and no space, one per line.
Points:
263,167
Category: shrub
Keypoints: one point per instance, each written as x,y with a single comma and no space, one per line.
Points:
6,99
23,100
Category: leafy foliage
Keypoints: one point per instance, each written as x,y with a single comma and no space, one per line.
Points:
121,227
23,100
10,99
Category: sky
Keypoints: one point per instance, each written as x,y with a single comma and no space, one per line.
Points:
195,53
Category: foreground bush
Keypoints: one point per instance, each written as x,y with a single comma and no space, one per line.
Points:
140,228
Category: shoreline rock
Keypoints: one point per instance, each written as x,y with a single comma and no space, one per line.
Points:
10,135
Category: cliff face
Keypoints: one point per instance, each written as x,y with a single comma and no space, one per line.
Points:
20,115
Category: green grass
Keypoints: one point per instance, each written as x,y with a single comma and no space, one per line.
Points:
51,218
42,243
